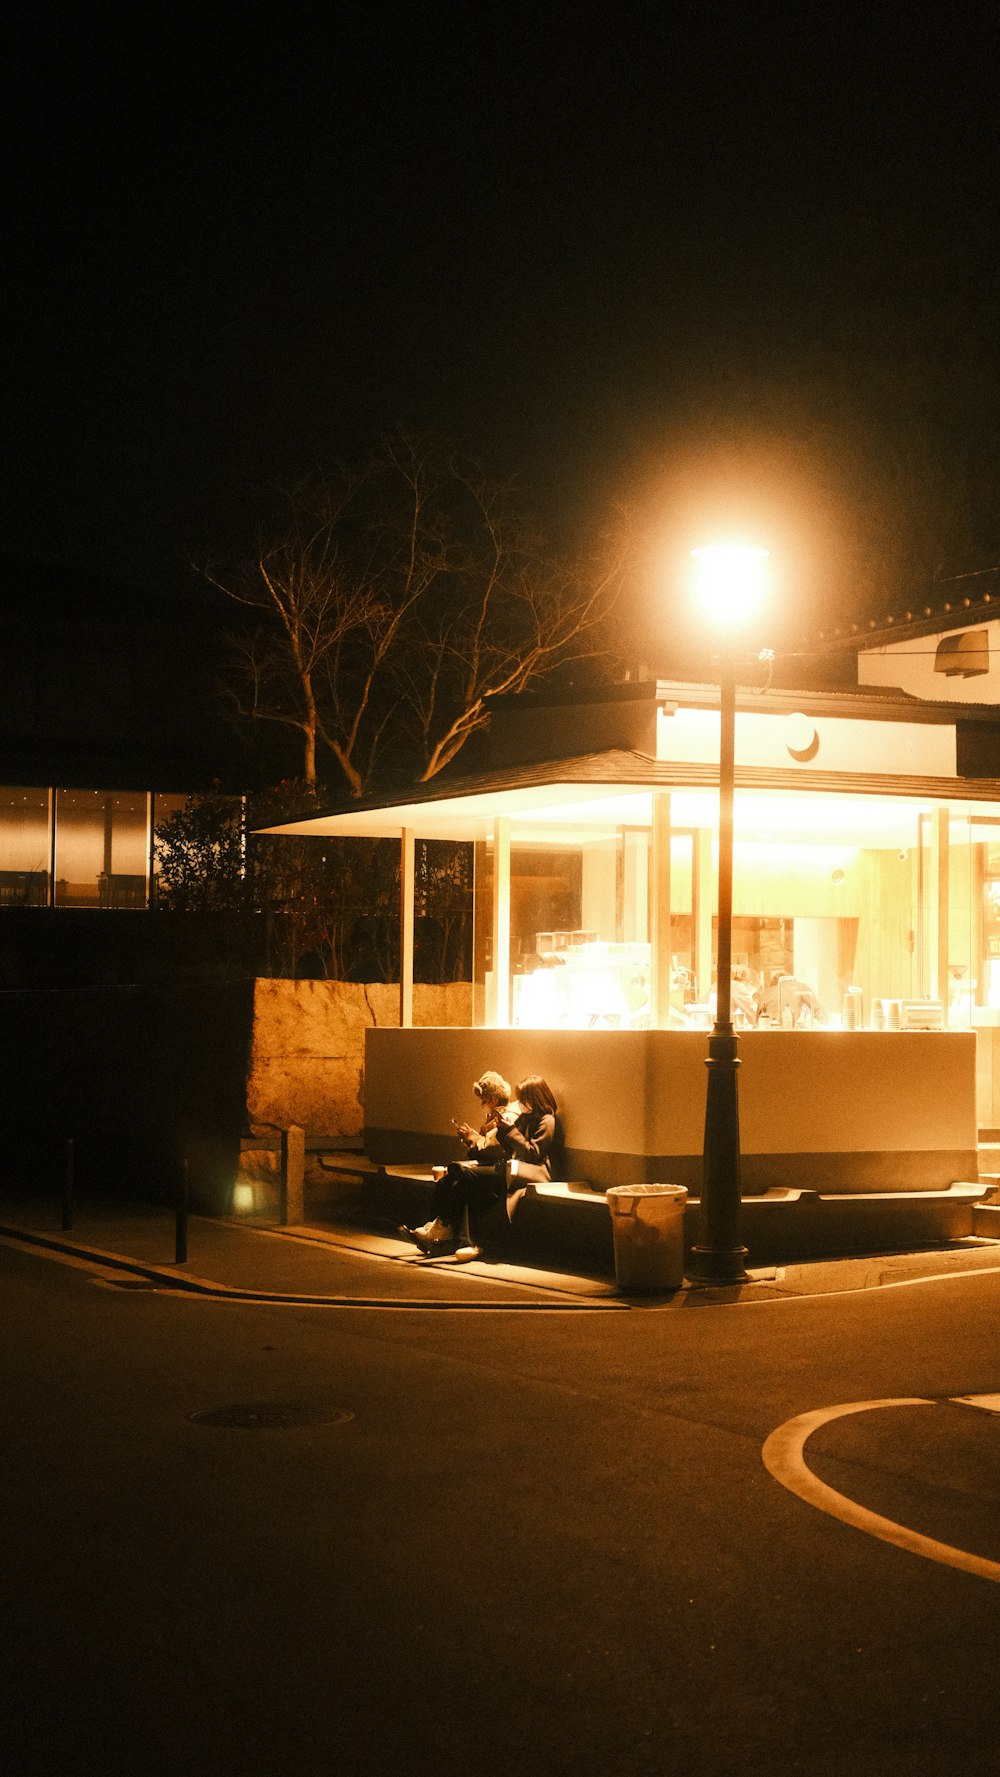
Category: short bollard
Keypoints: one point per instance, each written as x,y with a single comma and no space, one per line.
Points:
181,1229
68,1182
291,1178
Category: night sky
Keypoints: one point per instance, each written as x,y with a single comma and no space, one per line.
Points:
739,267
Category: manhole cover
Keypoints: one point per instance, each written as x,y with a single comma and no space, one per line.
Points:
270,1416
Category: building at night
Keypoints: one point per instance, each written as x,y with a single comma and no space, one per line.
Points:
865,934
110,719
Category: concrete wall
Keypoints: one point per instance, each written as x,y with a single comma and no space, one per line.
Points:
829,1111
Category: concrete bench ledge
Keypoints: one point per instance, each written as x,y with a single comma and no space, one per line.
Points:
346,1166
570,1191
779,1198
568,1219
963,1191
565,1190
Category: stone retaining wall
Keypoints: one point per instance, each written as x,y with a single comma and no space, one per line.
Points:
307,1063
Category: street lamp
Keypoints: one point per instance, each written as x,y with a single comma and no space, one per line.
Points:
730,583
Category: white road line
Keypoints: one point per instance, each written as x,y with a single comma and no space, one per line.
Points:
783,1457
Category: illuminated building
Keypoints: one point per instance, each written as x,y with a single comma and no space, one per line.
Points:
110,697
866,930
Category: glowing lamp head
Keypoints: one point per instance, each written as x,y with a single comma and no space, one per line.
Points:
730,580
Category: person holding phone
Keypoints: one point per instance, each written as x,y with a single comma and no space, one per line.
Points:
481,1150
517,1141
493,1093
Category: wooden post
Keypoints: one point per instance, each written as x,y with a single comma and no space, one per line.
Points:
938,910
501,922
701,909
406,911
659,912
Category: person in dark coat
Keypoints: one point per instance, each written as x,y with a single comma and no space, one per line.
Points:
525,1137
493,1093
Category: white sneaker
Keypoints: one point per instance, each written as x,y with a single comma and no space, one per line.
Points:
436,1230
468,1252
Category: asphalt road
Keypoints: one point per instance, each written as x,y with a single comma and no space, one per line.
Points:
541,1543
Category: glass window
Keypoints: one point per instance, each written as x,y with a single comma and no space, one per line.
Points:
102,847
986,927
164,807
24,847
950,861
579,951
819,909
443,875
845,908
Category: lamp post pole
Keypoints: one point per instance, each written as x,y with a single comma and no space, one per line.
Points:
719,1255
730,585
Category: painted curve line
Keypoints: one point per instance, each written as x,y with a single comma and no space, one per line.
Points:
783,1457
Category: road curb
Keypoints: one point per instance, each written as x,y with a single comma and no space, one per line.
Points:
205,1287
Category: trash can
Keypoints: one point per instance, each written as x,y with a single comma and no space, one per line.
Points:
648,1226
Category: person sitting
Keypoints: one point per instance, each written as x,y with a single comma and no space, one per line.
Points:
493,1093
525,1135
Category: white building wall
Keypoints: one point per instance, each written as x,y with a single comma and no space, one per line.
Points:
909,666
832,743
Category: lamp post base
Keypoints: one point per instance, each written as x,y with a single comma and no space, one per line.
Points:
719,1255
708,1265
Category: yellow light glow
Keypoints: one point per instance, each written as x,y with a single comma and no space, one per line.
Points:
879,822
730,580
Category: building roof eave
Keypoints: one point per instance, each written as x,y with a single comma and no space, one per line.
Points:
524,787
879,703
874,632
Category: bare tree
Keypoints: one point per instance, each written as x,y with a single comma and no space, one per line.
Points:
509,613
333,584
393,602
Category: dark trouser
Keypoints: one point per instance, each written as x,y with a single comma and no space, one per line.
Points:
467,1186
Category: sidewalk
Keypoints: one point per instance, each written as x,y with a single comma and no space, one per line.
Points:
320,1264
132,1245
